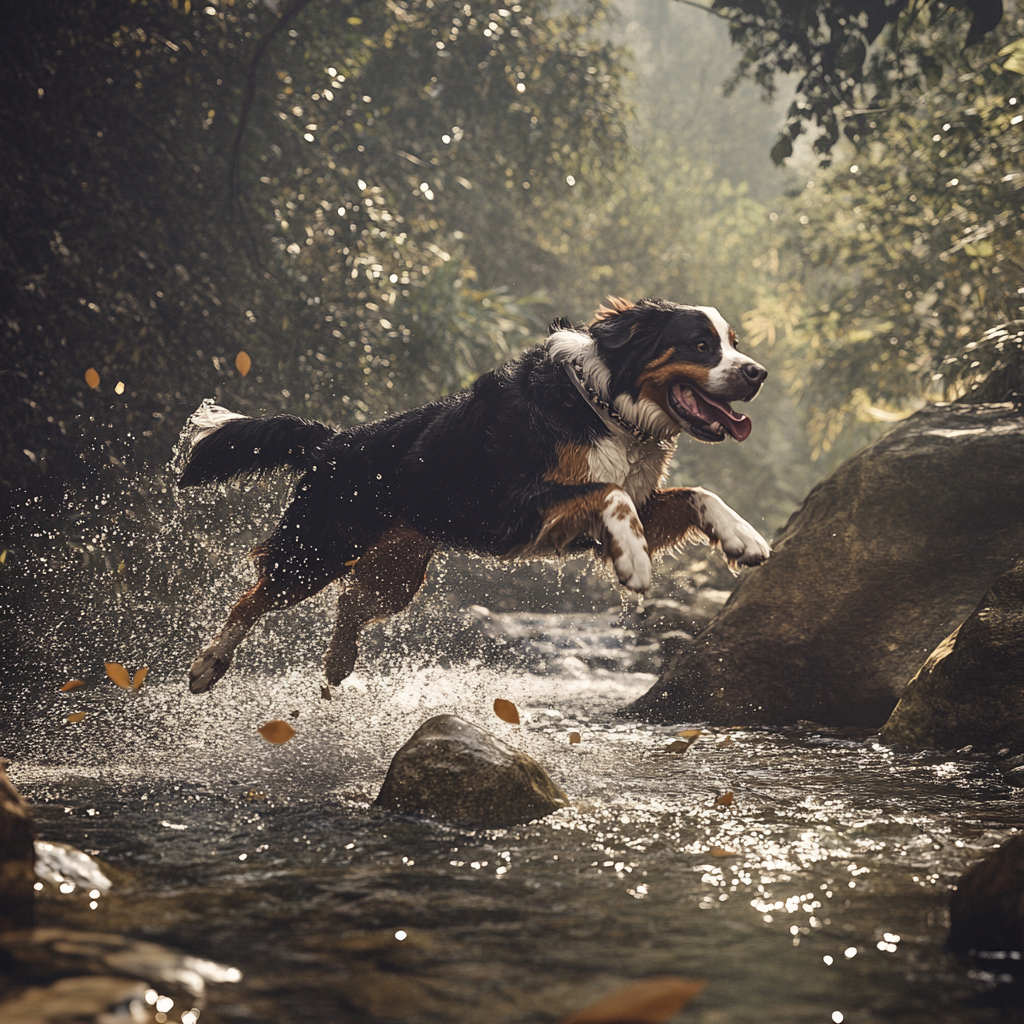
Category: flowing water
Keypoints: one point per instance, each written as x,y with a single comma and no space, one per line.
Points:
818,894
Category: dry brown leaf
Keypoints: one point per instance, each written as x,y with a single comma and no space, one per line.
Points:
92,378
243,364
140,677
276,731
574,737
76,716
506,711
726,799
119,674
72,684
689,734
644,1002
721,851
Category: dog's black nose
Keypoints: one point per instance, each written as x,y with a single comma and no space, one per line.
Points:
754,372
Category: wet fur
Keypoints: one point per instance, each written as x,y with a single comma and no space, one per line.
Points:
519,465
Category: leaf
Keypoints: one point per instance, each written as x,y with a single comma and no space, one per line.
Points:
276,731
725,800
119,674
644,1002
1015,54
76,716
72,684
506,711
243,364
92,378
689,734
721,851
140,677
677,747
574,737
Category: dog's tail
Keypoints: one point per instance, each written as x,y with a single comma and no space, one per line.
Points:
225,445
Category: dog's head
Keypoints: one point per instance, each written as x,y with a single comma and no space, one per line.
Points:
675,367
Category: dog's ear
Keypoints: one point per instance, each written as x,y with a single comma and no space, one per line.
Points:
613,325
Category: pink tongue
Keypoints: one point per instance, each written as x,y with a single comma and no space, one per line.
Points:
737,425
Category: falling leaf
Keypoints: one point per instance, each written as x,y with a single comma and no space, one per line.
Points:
76,716
72,684
276,731
689,734
92,378
677,747
325,693
725,800
140,677
506,711
119,674
574,737
721,851
243,364
644,1002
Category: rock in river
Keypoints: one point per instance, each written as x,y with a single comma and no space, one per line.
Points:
971,688
885,557
454,770
17,859
986,911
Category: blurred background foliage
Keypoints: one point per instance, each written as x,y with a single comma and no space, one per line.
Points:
378,201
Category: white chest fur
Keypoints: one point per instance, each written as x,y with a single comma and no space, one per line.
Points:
623,460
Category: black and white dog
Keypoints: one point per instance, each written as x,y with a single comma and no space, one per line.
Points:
558,452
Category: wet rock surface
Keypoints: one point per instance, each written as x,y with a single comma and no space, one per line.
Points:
986,911
454,770
17,859
971,688
885,557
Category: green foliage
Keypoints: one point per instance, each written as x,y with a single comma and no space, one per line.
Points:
854,57
900,264
182,183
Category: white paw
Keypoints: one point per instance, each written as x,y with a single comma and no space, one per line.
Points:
627,544
739,541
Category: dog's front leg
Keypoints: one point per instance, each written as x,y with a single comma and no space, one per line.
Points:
690,515
606,514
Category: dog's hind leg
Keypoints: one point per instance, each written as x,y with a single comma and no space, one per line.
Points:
383,581
267,595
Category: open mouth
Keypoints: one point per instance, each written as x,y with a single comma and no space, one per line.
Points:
707,418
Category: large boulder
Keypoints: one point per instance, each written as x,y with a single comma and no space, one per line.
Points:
986,910
971,688
17,859
883,559
454,770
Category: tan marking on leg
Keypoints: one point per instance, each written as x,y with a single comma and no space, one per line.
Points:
266,595
384,581
671,519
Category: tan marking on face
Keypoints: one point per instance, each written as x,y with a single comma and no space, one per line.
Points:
573,466
656,377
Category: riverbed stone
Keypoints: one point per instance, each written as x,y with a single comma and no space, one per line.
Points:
17,859
971,688
883,559
454,770
986,910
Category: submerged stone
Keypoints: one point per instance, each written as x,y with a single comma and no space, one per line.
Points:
986,910
454,770
971,688
882,561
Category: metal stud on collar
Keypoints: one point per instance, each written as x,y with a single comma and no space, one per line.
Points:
643,436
